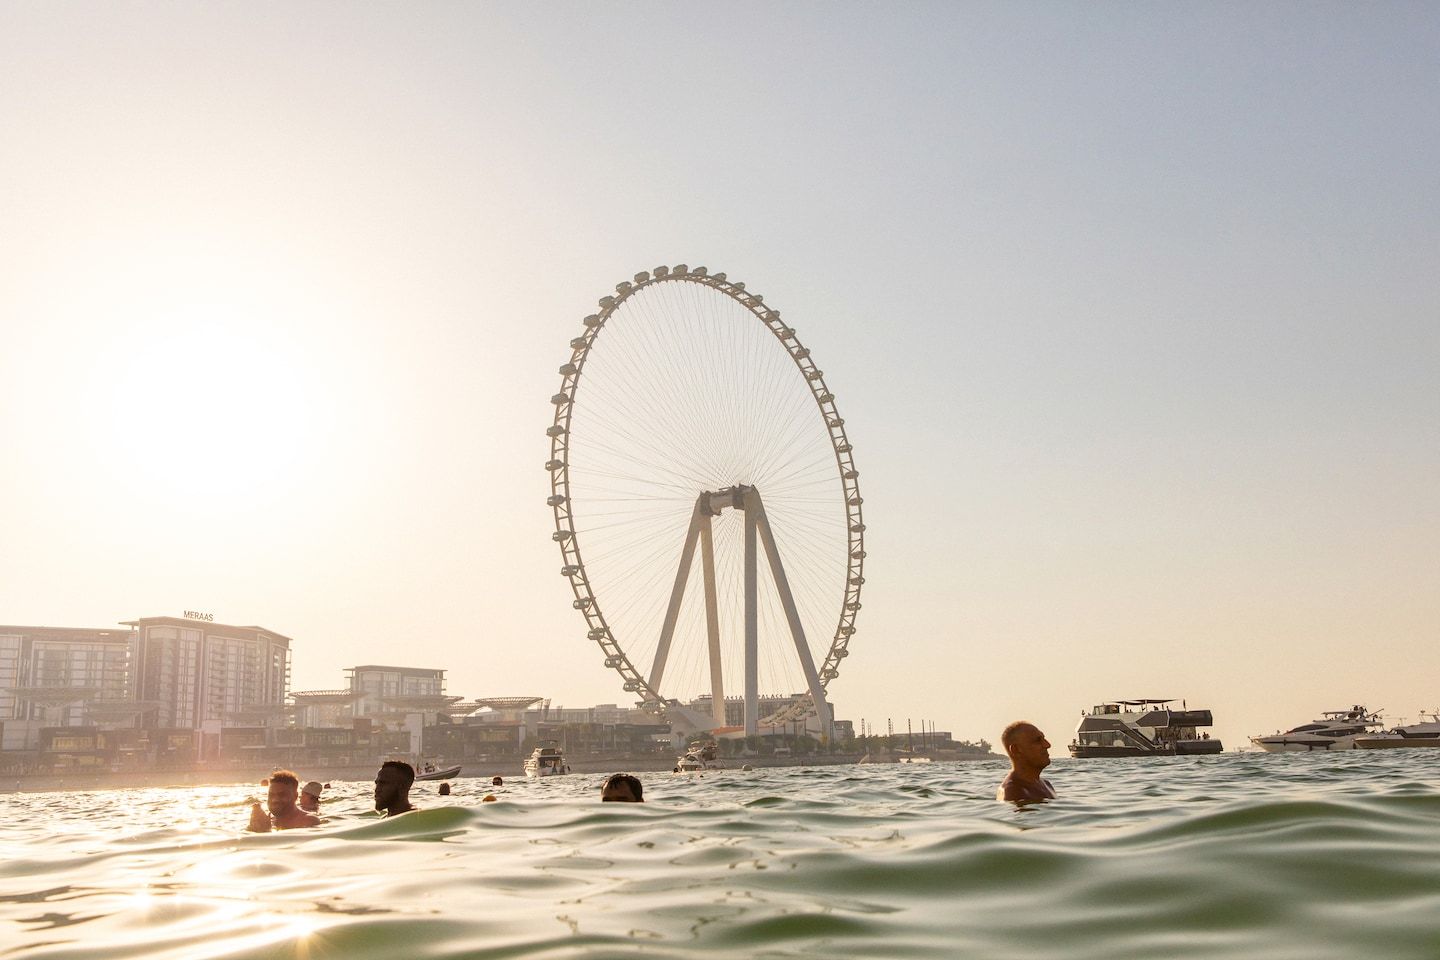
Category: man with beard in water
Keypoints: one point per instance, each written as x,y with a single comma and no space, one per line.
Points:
1029,753
285,812
392,787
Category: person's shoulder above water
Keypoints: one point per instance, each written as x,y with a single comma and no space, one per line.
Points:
1016,790
297,819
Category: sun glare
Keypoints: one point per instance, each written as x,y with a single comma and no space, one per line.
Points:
209,400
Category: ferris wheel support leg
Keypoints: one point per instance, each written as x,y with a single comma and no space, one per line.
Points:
755,509
677,593
752,632
712,621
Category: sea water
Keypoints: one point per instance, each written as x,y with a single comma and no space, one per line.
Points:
1236,856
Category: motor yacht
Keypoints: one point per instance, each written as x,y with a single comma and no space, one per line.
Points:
1143,728
547,761
699,757
1335,730
1426,733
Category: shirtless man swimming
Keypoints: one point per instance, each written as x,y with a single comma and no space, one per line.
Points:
1029,753
285,812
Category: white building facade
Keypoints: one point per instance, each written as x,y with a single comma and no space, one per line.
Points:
60,677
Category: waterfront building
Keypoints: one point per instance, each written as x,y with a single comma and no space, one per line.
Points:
211,678
323,708
177,693
409,697
391,693
63,677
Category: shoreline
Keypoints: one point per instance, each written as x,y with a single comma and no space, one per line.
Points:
508,768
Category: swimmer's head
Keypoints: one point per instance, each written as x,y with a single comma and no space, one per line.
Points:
1025,745
284,789
622,788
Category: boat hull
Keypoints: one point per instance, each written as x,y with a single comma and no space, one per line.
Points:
1396,743
1185,748
446,774
1294,745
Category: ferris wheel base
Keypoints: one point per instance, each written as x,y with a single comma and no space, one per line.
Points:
688,721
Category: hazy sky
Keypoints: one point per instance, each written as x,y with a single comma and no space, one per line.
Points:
1131,310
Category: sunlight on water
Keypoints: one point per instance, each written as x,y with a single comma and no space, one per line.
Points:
1238,856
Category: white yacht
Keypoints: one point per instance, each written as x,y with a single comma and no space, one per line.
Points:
1335,730
1143,728
546,761
1426,733
699,757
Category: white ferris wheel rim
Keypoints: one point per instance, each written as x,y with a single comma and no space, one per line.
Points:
558,466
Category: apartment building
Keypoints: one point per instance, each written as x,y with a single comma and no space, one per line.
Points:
63,677
206,676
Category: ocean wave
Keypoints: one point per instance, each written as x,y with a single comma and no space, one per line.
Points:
1239,857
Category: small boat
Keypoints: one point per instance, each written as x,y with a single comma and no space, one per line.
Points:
911,756
1426,733
699,757
546,761
1143,728
1335,730
429,771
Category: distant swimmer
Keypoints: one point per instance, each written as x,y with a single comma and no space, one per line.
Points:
444,790
497,781
1029,753
392,787
285,812
310,796
622,788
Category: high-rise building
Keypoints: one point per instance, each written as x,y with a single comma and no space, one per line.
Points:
62,677
206,676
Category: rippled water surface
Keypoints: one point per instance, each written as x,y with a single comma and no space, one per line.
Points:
1236,856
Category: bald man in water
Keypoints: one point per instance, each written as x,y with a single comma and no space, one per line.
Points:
1029,753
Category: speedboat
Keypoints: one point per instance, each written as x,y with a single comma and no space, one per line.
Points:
430,771
546,761
1335,730
1143,728
1426,733
699,757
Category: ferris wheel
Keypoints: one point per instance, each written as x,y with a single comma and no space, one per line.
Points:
705,427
